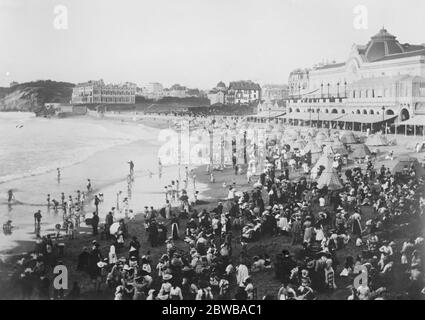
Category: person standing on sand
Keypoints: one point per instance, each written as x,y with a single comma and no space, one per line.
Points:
159,168
131,164
96,203
59,174
10,196
89,188
95,223
37,220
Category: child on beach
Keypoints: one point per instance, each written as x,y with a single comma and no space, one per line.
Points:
89,187
10,196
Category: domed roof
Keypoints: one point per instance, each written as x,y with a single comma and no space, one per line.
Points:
381,45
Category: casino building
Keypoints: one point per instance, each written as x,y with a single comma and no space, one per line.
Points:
381,86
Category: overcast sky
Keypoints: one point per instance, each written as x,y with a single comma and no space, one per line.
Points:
192,42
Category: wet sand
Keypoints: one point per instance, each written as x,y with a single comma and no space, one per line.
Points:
108,171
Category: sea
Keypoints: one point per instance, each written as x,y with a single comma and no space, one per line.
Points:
32,148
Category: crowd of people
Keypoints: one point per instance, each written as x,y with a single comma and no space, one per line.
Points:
367,234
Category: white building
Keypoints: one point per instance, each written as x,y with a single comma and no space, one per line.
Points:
153,90
274,92
97,92
243,92
218,94
384,81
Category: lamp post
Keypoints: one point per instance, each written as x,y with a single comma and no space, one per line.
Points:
309,111
269,114
345,89
384,125
337,85
329,85
299,91
318,111
321,91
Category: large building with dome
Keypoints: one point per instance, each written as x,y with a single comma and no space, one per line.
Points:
380,83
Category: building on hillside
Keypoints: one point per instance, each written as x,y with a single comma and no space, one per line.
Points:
13,83
243,92
97,92
381,84
218,94
274,92
153,90
177,91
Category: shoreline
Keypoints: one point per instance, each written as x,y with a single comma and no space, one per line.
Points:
23,246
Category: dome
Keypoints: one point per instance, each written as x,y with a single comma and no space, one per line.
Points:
382,45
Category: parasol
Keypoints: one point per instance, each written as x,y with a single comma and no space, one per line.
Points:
114,228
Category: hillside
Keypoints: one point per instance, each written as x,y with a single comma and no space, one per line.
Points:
31,96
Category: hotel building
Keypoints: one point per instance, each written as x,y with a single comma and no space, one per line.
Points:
380,85
97,92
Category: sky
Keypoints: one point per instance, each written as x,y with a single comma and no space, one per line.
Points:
196,43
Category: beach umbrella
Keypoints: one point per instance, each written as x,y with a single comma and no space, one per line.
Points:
114,228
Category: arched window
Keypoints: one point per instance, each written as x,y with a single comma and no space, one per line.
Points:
326,111
334,111
297,110
290,109
371,112
342,111
389,112
354,94
364,111
358,111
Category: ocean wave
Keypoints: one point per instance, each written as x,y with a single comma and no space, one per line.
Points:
78,155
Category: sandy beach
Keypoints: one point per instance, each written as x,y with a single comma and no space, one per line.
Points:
108,170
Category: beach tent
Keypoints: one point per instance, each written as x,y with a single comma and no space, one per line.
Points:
312,147
324,161
407,162
348,138
312,132
328,151
330,178
360,151
299,144
376,140
338,147
291,134
321,137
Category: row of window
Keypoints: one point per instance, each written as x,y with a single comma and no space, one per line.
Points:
358,111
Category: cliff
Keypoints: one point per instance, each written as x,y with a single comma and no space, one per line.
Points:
31,96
